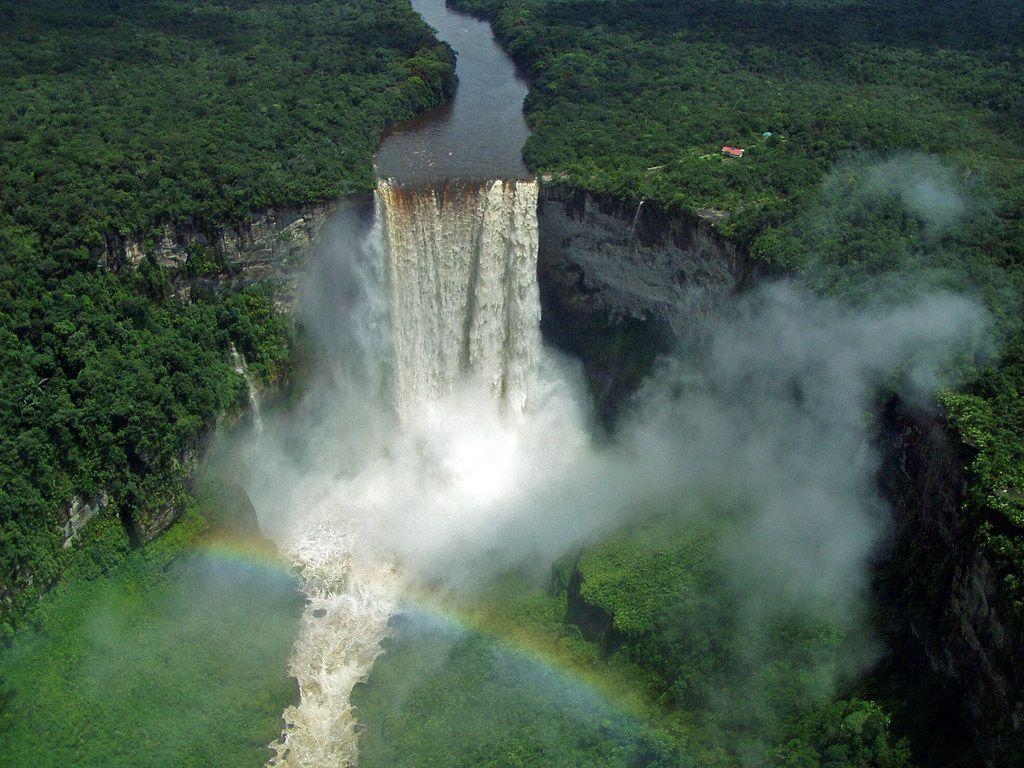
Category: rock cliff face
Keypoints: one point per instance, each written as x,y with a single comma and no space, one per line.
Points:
78,513
269,247
622,281
940,591
639,260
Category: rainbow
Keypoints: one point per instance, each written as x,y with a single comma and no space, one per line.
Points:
543,655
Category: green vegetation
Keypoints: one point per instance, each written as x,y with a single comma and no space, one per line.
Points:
117,116
121,117
895,161
180,659
445,696
638,97
678,675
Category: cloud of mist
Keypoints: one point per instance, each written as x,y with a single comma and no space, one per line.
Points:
764,430
927,187
771,416
888,227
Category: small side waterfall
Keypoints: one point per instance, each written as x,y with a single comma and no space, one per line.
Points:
636,219
240,367
462,271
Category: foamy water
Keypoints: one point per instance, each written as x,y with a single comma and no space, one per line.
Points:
346,618
474,420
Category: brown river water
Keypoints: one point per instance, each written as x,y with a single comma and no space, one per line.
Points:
480,134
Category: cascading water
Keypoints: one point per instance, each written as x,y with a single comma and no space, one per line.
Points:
636,220
240,367
462,267
464,314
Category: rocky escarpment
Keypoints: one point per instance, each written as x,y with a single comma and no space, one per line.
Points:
78,512
269,247
623,280
944,615
594,622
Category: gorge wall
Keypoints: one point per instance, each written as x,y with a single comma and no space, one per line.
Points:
960,648
270,247
622,281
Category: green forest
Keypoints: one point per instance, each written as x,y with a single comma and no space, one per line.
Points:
521,676
120,117
848,114
883,152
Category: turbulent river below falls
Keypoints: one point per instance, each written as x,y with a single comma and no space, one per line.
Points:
437,386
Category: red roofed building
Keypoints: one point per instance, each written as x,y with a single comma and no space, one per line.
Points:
732,152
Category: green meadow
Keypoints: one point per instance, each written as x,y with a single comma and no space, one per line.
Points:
177,658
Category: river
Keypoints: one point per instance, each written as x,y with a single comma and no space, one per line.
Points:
445,286
480,134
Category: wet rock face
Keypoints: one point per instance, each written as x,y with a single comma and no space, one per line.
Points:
79,511
638,259
940,589
593,621
622,281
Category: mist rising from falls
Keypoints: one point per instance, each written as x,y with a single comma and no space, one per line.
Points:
442,295
464,302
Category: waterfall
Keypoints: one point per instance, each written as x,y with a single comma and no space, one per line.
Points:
462,271
240,367
459,280
636,219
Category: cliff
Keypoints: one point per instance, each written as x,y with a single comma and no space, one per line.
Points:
268,247
622,281
940,594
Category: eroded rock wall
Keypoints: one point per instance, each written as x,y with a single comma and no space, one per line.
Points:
269,247
940,591
622,281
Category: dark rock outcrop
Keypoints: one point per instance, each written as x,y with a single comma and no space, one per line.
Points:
940,593
622,281
595,623
79,511
269,247
226,507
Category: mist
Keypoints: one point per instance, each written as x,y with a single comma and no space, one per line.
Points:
762,433
772,414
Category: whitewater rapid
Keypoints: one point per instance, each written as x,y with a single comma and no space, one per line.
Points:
463,347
